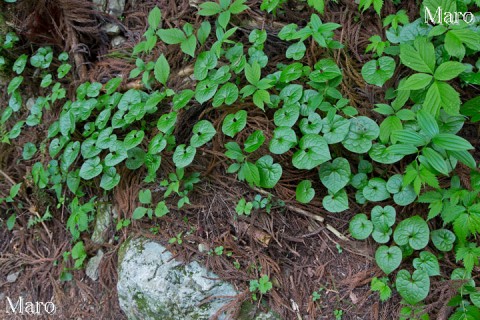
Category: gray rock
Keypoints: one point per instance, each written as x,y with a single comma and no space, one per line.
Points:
111,29
101,4
152,285
12,277
30,103
103,221
116,7
93,264
118,41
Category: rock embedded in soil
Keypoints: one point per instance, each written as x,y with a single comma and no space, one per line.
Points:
93,264
152,285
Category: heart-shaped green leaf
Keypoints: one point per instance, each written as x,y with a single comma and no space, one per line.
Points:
388,258
377,72
115,157
183,155
428,263
337,202
413,231
205,90
129,99
284,138
161,209
336,174
136,158
376,190
166,122
286,116
360,227
413,288
29,149
157,144
110,178
234,123
312,124
254,141
381,235
70,154
383,218
227,94
203,131
313,152
336,129
305,192
89,148
269,172
133,139
91,168
361,133
443,239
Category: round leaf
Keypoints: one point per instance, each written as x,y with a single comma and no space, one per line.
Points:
335,175
337,202
428,263
443,239
203,131
183,155
383,218
284,138
376,190
360,227
313,152
361,133
388,258
377,72
269,172
413,288
413,231
305,192
91,168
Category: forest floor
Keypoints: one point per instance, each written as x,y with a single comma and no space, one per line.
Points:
301,253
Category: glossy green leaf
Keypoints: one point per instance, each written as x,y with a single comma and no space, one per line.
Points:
335,175
428,263
183,155
234,123
413,231
377,72
413,288
313,152
91,168
304,192
203,132
337,202
388,258
443,239
362,131
284,138
270,173
360,227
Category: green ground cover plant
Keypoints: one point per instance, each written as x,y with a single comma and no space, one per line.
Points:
103,129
